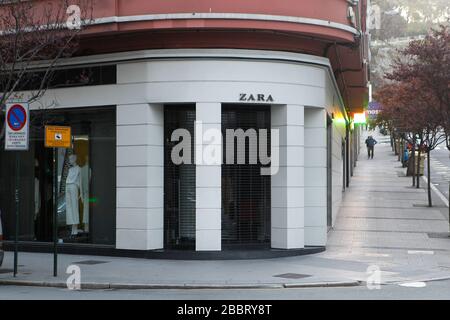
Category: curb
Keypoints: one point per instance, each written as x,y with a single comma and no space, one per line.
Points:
416,280
323,284
131,286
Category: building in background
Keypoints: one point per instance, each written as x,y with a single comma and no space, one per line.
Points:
146,68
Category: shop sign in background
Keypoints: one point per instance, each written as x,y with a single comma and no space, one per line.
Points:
373,110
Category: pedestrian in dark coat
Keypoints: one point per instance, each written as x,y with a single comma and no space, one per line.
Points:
370,143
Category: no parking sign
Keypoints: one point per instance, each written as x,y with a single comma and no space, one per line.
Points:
17,124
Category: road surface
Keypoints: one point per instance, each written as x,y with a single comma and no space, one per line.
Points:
431,290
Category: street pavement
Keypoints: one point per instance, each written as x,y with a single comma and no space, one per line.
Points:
384,233
438,290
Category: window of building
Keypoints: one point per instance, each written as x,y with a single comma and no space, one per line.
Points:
246,194
86,180
69,77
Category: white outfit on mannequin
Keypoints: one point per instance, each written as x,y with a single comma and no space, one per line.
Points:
73,190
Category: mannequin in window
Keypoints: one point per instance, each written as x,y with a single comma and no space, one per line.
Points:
74,190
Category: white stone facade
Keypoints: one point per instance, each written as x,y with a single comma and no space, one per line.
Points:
303,93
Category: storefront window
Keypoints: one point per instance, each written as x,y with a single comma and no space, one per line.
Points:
86,180
246,194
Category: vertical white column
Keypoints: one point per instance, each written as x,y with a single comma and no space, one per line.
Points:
315,177
140,177
287,217
208,222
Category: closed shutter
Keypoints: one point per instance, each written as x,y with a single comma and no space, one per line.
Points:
246,194
179,182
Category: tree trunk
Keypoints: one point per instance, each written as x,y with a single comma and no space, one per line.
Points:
430,204
413,165
418,169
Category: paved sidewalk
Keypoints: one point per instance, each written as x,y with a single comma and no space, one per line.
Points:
385,222
381,224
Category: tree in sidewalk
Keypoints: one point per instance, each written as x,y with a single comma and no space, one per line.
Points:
395,98
432,134
421,77
411,111
386,117
427,62
34,37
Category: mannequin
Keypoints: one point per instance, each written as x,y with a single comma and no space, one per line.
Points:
74,190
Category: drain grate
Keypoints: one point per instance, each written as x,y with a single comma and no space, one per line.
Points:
2,271
292,276
91,262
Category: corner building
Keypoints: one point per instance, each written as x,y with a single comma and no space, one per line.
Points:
162,65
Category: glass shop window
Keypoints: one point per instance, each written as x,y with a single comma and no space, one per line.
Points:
86,180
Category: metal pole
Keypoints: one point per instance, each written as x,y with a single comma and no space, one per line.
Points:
16,196
55,210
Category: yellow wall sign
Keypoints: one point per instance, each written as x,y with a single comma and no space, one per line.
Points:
58,137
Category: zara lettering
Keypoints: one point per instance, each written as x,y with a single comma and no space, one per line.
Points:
255,97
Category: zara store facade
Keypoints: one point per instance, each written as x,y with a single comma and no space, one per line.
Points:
201,207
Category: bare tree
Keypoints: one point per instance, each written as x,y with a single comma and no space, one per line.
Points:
34,37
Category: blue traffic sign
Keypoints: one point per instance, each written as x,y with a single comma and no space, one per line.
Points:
17,117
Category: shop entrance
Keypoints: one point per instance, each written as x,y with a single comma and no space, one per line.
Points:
246,194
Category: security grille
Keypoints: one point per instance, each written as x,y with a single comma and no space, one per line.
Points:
246,194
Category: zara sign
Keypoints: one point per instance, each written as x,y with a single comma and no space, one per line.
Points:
250,97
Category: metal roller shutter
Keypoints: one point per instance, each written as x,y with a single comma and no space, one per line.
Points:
246,194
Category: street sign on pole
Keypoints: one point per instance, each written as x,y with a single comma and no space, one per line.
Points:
17,123
56,137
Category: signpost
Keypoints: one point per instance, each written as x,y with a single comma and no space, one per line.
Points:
56,137
17,123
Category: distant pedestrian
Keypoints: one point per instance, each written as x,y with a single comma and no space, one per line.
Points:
370,143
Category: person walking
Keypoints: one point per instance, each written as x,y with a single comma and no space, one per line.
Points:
370,143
